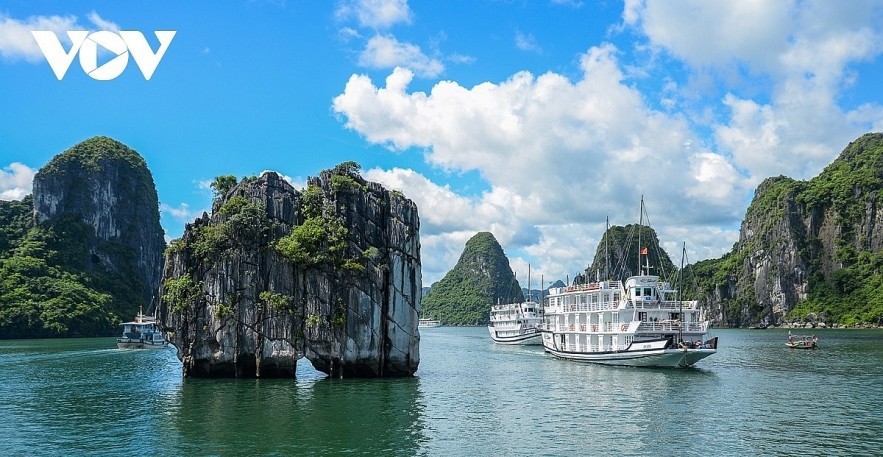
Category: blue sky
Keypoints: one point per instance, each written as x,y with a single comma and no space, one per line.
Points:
534,120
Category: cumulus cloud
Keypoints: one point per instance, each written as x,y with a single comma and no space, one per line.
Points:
557,154
385,51
16,181
797,56
560,154
379,14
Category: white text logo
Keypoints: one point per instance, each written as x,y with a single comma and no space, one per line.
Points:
121,44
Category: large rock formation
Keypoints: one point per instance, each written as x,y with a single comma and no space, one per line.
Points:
812,243
105,186
481,278
331,273
620,243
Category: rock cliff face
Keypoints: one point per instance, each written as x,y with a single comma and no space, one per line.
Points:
803,240
331,273
106,186
481,278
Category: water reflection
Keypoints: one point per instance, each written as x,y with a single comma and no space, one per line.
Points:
297,417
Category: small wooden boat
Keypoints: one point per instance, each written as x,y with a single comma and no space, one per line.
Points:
802,341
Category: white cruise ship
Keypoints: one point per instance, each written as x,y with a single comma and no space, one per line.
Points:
516,323
642,322
638,323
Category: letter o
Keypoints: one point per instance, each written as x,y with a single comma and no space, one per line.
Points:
89,55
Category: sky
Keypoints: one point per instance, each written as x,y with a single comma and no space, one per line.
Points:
534,120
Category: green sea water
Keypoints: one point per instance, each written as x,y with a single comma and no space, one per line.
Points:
470,397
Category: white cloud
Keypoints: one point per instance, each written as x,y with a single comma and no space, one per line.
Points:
379,14
559,157
797,56
386,52
181,213
559,154
16,41
16,181
103,24
527,42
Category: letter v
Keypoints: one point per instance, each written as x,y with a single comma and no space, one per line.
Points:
58,59
139,48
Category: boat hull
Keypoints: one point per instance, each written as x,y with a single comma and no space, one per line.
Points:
640,354
801,345
527,338
137,344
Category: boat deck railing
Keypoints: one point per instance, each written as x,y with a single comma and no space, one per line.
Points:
611,327
592,286
573,347
670,305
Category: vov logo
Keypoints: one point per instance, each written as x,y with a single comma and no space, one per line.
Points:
120,44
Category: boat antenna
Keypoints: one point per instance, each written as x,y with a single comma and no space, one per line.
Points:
681,302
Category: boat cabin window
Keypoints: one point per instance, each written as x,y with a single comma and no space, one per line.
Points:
642,316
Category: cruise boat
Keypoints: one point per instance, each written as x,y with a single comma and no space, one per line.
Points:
639,322
516,323
428,323
636,323
142,333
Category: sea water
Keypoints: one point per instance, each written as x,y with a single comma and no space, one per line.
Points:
469,397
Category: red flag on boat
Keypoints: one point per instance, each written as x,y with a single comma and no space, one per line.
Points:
644,251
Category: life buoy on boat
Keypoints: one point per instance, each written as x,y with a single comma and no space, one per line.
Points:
623,327
594,328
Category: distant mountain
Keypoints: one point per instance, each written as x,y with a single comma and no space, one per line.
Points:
621,243
481,277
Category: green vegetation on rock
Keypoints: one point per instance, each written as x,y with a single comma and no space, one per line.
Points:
823,233
63,276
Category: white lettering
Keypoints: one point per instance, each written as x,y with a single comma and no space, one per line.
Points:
146,59
58,59
86,44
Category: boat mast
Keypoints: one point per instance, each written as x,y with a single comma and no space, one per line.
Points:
640,225
606,251
529,295
681,302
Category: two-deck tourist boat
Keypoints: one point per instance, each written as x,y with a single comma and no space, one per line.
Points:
142,333
802,341
516,323
428,323
639,322
636,323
